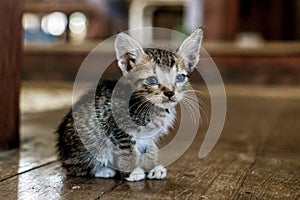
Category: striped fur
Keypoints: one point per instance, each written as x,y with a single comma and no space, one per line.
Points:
91,141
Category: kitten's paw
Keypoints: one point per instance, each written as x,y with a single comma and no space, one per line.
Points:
136,175
158,172
105,172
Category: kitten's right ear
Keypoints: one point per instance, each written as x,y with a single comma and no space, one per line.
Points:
190,49
129,52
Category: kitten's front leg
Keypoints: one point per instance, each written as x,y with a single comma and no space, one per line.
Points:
128,162
149,159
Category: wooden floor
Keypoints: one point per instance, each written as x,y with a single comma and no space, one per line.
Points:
257,157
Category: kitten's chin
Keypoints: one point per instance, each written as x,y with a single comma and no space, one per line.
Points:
167,104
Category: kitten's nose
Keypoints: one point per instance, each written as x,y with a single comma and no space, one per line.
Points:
169,93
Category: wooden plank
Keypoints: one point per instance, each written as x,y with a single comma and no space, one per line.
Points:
38,144
192,178
189,178
10,71
49,182
276,172
222,174
9,164
247,135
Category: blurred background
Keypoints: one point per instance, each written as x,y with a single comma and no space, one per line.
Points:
254,43
251,41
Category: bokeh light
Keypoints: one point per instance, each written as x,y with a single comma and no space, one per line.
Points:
78,23
54,23
30,22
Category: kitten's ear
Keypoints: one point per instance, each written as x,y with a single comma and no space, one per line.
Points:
129,52
190,49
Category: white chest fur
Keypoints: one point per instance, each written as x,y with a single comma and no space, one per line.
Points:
149,134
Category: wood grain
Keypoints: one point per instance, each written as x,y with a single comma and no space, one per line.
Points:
257,157
10,71
49,182
37,148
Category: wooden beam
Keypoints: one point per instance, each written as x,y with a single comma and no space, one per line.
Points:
10,71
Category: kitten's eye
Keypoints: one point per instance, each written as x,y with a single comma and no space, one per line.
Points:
152,80
180,78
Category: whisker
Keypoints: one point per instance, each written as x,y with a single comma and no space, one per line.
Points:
197,100
199,104
195,91
139,109
191,111
194,108
136,103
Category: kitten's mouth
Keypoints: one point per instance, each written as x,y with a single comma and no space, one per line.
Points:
168,101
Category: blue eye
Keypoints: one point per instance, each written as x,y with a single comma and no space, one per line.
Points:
180,78
152,80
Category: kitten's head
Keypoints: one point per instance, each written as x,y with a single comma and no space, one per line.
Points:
159,75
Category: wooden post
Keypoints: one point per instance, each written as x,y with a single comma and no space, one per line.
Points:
221,19
10,71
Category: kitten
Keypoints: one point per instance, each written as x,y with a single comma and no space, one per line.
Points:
99,136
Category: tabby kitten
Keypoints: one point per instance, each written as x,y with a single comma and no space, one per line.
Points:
105,133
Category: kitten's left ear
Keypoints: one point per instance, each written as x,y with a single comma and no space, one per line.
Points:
129,52
190,49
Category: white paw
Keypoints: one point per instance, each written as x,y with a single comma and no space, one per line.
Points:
105,172
136,175
158,172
